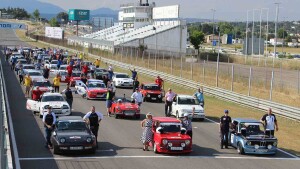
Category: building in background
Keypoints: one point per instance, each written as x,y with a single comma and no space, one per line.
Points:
258,47
100,23
211,38
227,39
279,41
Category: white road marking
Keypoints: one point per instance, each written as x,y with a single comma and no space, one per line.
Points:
11,127
110,150
287,153
176,157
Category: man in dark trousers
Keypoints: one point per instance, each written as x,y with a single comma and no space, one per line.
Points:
93,119
69,96
49,120
136,84
46,73
225,123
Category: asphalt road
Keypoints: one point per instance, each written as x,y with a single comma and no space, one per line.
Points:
119,139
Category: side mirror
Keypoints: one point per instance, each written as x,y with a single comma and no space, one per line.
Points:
183,131
243,132
159,130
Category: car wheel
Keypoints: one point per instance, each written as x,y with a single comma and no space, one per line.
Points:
93,151
116,116
137,116
155,149
55,150
240,149
201,119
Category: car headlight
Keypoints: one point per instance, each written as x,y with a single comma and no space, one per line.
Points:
182,144
118,108
89,140
187,142
62,140
275,144
164,141
170,144
256,146
46,106
159,96
65,107
148,95
248,143
269,146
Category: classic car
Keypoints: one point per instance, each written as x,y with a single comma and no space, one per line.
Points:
93,89
44,86
124,109
28,67
99,73
184,104
64,78
62,68
169,136
53,63
249,136
35,75
151,92
76,75
59,105
122,80
72,134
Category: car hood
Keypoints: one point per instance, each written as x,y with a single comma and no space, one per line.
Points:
174,136
125,106
37,77
102,90
73,134
190,107
55,104
124,79
260,137
152,91
44,88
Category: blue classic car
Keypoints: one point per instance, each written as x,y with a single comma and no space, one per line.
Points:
249,136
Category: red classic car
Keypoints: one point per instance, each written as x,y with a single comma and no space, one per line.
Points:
64,78
152,92
93,89
76,75
169,136
125,109
44,86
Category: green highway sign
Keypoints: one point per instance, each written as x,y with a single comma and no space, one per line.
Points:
79,15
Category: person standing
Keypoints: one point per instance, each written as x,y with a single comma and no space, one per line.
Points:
49,120
133,74
56,83
27,84
225,123
147,136
187,123
159,82
36,94
70,70
59,62
200,97
109,98
110,72
169,97
93,119
18,67
83,79
270,122
46,72
21,75
13,62
85,69
136,84
69,96
137,97
97,63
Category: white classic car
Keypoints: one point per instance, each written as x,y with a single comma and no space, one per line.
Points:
184,104
59,105
122,80
35,75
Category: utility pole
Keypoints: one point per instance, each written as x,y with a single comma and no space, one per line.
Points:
246,51
277,12
218,59
213,36
259,42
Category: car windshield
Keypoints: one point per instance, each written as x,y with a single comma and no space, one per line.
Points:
189,101
151,87
253,128
122,76
63,73
35,74
87,63
96,85
170,127
22,61
71,125
52,99
28,67
42,84
63,68
76,74
100,70
53,67
54,62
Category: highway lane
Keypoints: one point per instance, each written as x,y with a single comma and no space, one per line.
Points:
119,140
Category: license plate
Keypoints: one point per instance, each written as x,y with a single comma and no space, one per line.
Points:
262,150
99,95
153,98
129,114
176,148
76,148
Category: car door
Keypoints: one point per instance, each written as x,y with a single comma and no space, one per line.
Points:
233,134
33,105
80,87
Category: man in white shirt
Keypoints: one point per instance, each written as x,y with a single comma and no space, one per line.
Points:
93,119
270,121
137,97
169,97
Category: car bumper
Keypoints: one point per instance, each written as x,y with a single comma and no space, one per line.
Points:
153,98
260,150
124,85
101,96
74,147
59,112
123,115
167,150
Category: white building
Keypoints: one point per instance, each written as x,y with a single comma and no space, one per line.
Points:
158,28
279,41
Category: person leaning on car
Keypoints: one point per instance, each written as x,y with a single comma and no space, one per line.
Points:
225,123
36,94
270,122
199,96
186,122
169,97
93,118
49,120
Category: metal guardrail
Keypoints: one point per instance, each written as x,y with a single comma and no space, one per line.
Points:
248,101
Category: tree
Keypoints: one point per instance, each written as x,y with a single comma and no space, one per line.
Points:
62,17
226,28
53,22
196,38
36,14
281,33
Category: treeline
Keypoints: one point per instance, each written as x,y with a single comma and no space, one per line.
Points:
16,13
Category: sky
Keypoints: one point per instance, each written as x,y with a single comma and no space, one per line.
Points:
229,10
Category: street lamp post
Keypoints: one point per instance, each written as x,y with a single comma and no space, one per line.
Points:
213,35
123,44
277,12
218,59
154,28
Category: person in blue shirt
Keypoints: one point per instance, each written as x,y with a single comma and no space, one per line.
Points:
13,62
199,96
134,73
59,62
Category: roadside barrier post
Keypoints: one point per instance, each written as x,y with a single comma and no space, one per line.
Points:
271,88
249,85
232,76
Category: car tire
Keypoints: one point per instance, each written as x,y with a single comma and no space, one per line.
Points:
93,151
138,116
240,149
155,149
55,150
201,119
116,116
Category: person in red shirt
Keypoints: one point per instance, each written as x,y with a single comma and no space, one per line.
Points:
36,94
159,81
70,69
85,69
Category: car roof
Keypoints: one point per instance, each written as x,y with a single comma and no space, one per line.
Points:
166,119
28,64
246,120
52,94
32,70
186,96
73,118
95,80
76,71
150,84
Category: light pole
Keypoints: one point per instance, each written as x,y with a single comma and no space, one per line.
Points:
218,59
283,36
154,28
123,44
213,35
277,12
246,51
